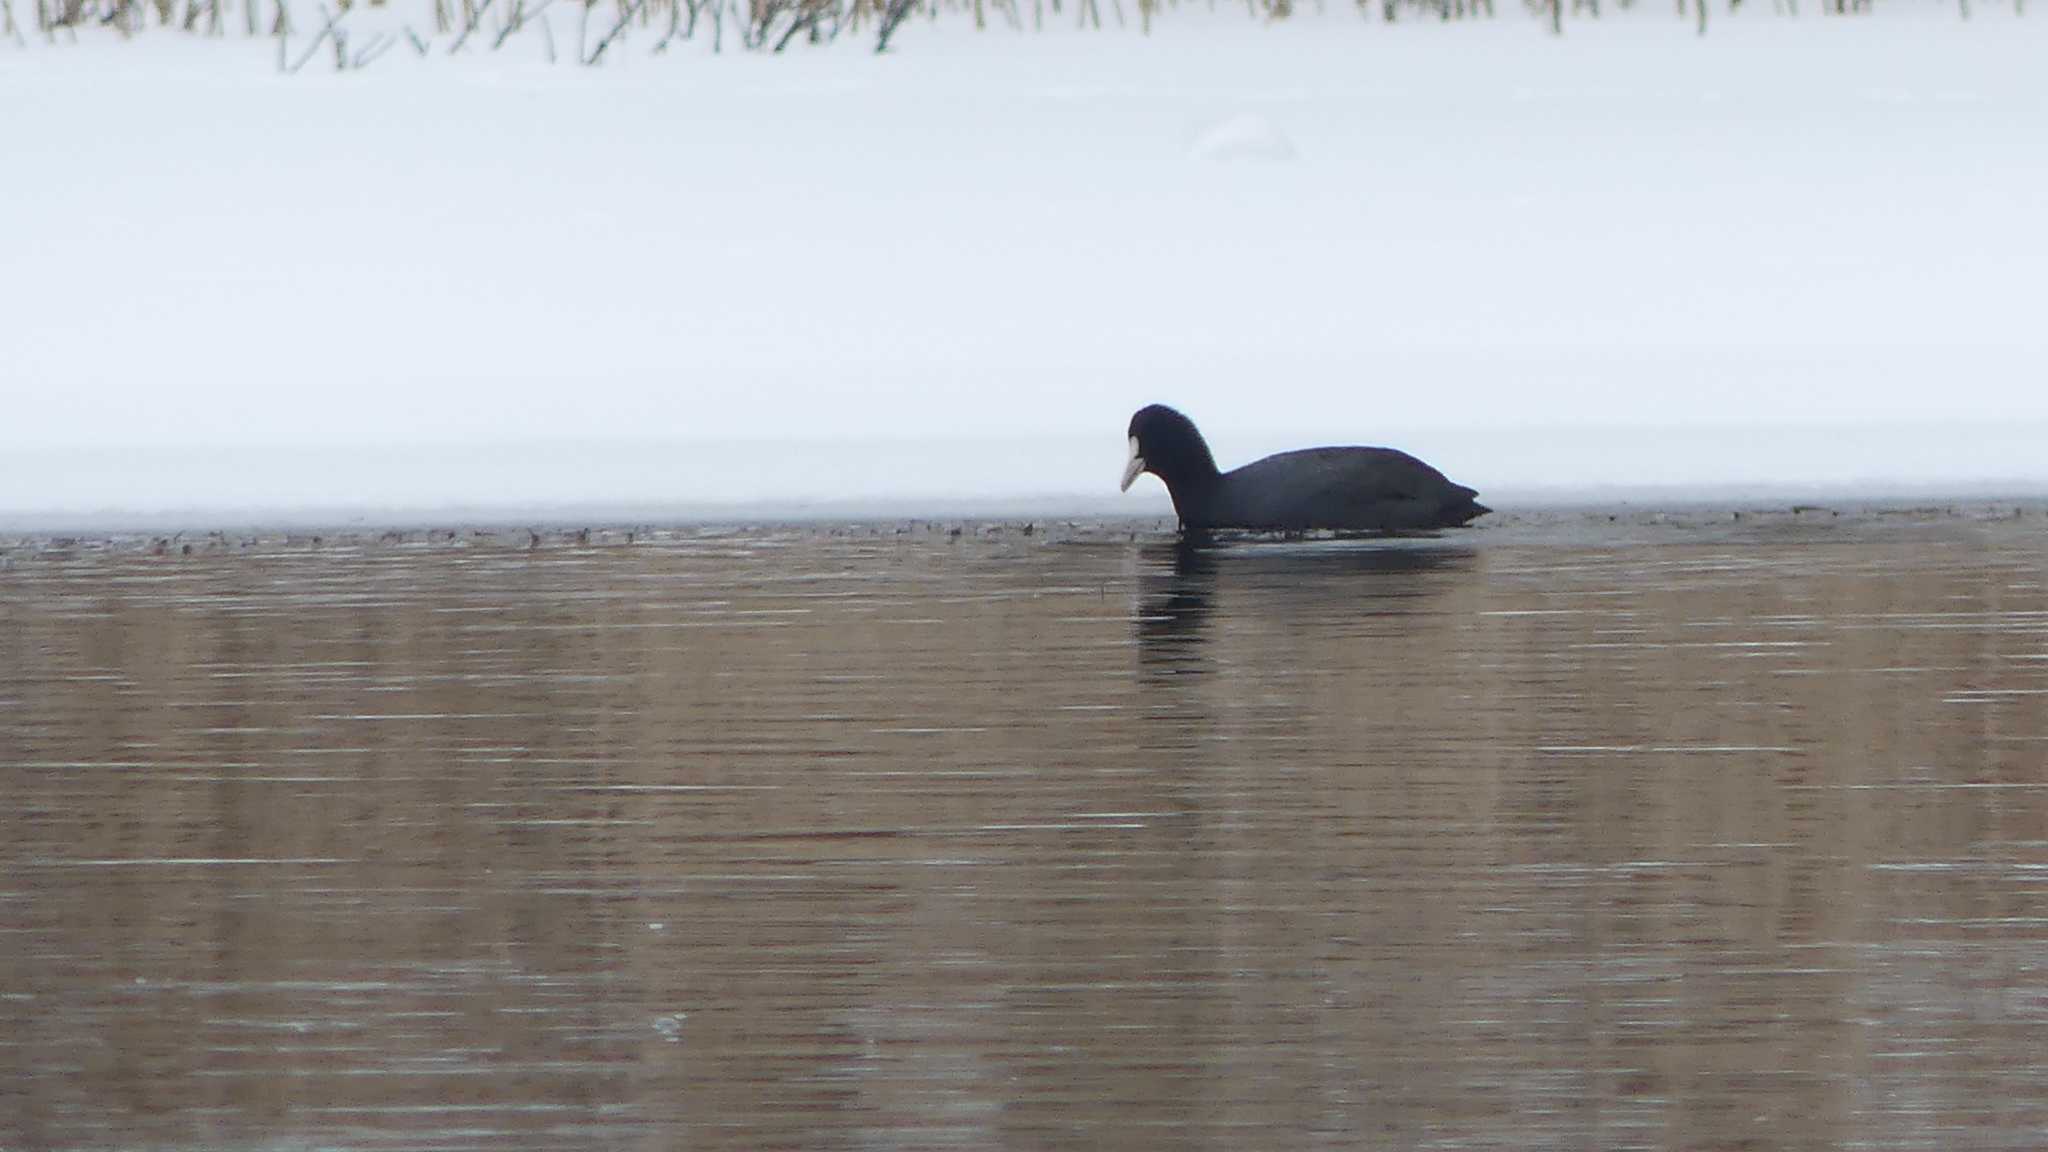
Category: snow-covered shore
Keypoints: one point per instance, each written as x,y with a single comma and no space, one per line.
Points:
1793,251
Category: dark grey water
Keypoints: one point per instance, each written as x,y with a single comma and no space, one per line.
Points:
1666,832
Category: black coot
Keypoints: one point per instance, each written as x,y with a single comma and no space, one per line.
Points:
1347,489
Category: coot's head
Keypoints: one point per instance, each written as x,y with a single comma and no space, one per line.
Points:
1166,444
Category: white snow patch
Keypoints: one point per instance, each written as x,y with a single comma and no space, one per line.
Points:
1245,136
957,269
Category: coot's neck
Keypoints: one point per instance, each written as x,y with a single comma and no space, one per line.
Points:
1192,480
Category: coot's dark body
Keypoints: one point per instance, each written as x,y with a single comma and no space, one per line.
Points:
1342,489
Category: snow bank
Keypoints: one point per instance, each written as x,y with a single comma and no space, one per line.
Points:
1475,240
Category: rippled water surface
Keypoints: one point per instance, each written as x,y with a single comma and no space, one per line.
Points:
1659,832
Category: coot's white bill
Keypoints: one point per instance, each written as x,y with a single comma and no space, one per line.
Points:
1132,467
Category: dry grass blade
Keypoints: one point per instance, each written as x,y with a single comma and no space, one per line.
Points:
892,17
379,44
625,17
326,30
475,17
519,19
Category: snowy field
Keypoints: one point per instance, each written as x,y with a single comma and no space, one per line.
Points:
1790,255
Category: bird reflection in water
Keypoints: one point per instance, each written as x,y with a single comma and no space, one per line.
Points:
1317,582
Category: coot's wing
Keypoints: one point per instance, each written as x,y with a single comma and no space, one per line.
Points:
1363,489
